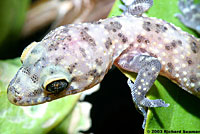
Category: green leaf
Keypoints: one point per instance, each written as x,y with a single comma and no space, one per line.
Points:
12,16
183,112
38,119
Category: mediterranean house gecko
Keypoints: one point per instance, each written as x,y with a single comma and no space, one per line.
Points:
191,14
74,58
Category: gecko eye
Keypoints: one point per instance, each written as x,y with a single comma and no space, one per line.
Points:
57,86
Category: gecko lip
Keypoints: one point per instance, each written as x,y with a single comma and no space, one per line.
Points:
15,98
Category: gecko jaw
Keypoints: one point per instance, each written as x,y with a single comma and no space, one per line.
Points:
19,99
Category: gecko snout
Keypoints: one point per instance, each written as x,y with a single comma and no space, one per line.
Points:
13,96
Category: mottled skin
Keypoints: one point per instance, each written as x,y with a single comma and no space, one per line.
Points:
191,14
74,58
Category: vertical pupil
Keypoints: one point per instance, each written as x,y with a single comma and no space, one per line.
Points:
57,86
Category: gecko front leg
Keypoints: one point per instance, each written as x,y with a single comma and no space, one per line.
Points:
135,7
148,68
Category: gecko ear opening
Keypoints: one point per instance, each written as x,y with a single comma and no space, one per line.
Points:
27,50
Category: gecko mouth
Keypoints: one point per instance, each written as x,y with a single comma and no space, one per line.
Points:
22,100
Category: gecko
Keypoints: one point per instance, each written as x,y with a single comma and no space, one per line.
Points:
75,57
191,14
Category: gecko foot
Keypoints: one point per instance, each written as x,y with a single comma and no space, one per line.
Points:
141,105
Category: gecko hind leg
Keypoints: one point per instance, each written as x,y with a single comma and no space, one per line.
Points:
148,69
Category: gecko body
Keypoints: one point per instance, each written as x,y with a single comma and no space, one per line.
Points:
74,58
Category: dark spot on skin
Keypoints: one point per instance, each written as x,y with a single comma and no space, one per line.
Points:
38,91
86,37
28,100
147,26
18,80
82,51
120,34
117,25
189,61
35,101
71,67
93,73
93,22
86,28
69,37
43,59
147,41
160,28
143,50
26,70
140,38
193,78
179,42
34,51
153,55
113,26
170,66
65,30
167,47
173,43
114,30
74,79
34,78
58,59
99,61
131,45
148,29
52,47
148,23
194,47
123,37
15,100
108,43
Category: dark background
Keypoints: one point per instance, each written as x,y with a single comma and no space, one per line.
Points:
113,110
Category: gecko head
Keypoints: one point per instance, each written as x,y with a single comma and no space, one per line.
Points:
38,80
